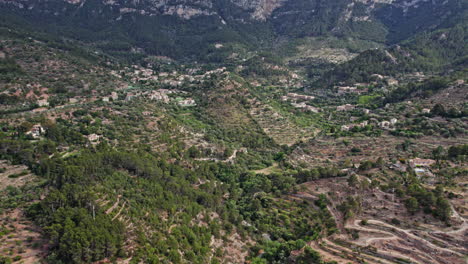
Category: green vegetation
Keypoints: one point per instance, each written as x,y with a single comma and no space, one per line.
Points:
424,52
9,70
170,140
80,229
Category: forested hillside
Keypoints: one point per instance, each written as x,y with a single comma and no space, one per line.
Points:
433,52
229,131
190,30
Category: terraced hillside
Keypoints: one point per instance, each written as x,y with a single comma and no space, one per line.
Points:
279,127
372,235
20,238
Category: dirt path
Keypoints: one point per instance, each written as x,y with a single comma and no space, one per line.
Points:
108,211
267,170
402,243
118,213
326,255
229,159
416,238
464,225
24,238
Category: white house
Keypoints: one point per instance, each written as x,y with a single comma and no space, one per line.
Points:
42,102
36,131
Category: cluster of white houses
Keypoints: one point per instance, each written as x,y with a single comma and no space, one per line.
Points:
38,130
387,124
382,124
294,98
161,95
351,89
421,167
351,126
174,79
346,107
307,107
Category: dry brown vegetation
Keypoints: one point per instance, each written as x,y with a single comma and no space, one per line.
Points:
372,235
282,130
20,239
325,151
14,175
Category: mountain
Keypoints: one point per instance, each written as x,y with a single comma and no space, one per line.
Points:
180,29
434,52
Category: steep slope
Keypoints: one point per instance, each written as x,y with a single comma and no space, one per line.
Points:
432,52
186,28
152,177
169,160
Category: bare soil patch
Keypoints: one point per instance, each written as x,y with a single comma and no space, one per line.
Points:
418,238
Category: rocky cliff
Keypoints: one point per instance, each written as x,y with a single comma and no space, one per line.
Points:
164,27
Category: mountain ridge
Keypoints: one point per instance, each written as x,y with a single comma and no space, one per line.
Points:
162,27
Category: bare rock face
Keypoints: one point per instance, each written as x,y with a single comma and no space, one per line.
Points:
73,1
261,9
375,20
186,12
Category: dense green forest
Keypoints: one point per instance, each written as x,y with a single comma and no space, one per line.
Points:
426,52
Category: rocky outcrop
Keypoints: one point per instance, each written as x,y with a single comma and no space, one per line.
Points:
260,9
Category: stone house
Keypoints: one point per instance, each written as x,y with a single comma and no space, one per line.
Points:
36,131
346,107
42,102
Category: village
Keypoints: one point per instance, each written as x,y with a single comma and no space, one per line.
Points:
344,142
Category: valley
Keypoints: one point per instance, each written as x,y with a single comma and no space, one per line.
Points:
233,132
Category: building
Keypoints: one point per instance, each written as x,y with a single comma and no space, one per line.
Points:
105,99
426,110
384,124
160,95
306,107
36,131
393,121
345,89
417,162
187,102
392,81
114,96
94,138
42,102
351,126
346,107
